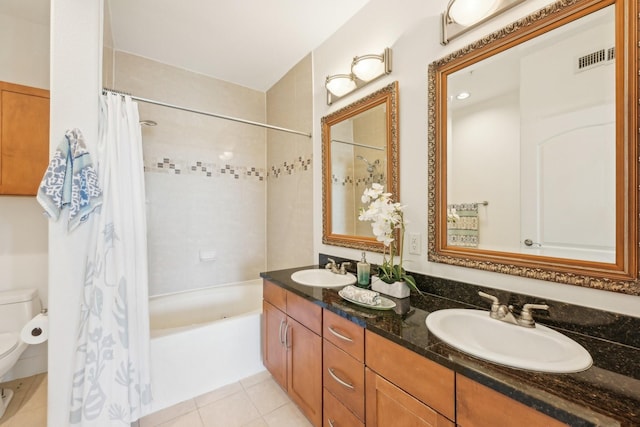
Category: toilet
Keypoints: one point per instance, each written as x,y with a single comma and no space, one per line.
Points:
17,307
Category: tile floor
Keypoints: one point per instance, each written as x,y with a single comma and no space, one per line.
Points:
256,401
28,408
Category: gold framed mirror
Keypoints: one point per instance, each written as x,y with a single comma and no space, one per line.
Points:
359,147
535,173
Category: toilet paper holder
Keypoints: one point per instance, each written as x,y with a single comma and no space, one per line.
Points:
36,332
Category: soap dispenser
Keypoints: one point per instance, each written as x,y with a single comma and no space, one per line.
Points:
364,269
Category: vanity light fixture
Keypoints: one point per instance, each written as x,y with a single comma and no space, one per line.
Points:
364,69
340,84
463,95
369,67
464,15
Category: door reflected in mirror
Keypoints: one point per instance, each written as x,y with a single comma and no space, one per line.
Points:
540,150
360,147
533,148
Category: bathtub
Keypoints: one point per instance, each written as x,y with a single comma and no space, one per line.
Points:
204,339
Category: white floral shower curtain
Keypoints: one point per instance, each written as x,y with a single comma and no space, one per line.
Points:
111,382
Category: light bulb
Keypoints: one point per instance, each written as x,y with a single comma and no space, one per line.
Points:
340,84
367,67
468,12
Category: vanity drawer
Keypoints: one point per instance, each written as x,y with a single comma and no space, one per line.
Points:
343,376
275,295
428,381
305,312
336,414
344,334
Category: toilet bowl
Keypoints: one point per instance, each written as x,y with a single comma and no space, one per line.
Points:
17,308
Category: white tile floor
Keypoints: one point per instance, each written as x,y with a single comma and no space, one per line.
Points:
256,401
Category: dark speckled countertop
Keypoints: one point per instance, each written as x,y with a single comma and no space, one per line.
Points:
607,394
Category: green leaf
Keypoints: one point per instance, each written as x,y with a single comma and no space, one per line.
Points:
411,282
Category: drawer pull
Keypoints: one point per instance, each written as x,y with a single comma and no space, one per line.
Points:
280,331
343,383
286,336
330,422
339,335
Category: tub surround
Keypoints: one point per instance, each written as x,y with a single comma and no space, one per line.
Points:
195,345
607,394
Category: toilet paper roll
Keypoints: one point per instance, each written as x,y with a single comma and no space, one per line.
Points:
36,330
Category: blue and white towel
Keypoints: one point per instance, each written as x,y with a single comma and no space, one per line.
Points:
70,180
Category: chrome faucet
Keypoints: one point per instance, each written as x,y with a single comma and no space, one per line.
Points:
331,265
505,313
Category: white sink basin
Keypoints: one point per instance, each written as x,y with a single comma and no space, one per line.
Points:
323,278
537,349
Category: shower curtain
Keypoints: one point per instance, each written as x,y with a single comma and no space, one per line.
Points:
111,381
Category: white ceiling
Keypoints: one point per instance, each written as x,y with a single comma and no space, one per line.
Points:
252,43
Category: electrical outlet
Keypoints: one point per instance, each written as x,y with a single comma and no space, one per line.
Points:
415,246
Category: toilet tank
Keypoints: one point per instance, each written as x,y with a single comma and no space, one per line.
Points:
17,307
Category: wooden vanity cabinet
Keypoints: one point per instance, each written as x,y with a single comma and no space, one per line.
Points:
404,388
343,371
24,138
479,406
388,405
292,347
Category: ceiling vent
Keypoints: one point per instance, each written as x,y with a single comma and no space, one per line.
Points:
594,59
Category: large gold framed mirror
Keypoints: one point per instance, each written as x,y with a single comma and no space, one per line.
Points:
359,147
533,156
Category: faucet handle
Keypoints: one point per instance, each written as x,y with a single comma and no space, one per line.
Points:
331,263
343,267
494,300
526,319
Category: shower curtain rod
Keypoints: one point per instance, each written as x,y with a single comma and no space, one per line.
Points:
205,113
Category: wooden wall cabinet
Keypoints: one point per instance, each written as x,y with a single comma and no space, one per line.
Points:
24,138
292,347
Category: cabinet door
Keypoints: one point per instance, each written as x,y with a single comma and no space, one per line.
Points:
479,406
274,353
389,406
429,382
24,138
305,370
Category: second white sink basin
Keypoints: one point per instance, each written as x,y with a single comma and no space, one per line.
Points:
537,349
323,278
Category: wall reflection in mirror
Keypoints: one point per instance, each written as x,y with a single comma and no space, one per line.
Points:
533,165
359,149
541,149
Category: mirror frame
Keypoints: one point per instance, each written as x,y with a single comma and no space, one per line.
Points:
388,95
620,276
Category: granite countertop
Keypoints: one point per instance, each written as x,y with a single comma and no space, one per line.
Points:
607,394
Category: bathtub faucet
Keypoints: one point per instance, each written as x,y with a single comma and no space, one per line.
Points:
331,265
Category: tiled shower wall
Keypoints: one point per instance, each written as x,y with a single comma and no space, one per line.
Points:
206,177
289,160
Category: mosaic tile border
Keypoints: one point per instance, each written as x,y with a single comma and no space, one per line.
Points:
204,169
359,182
290,168
208,169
